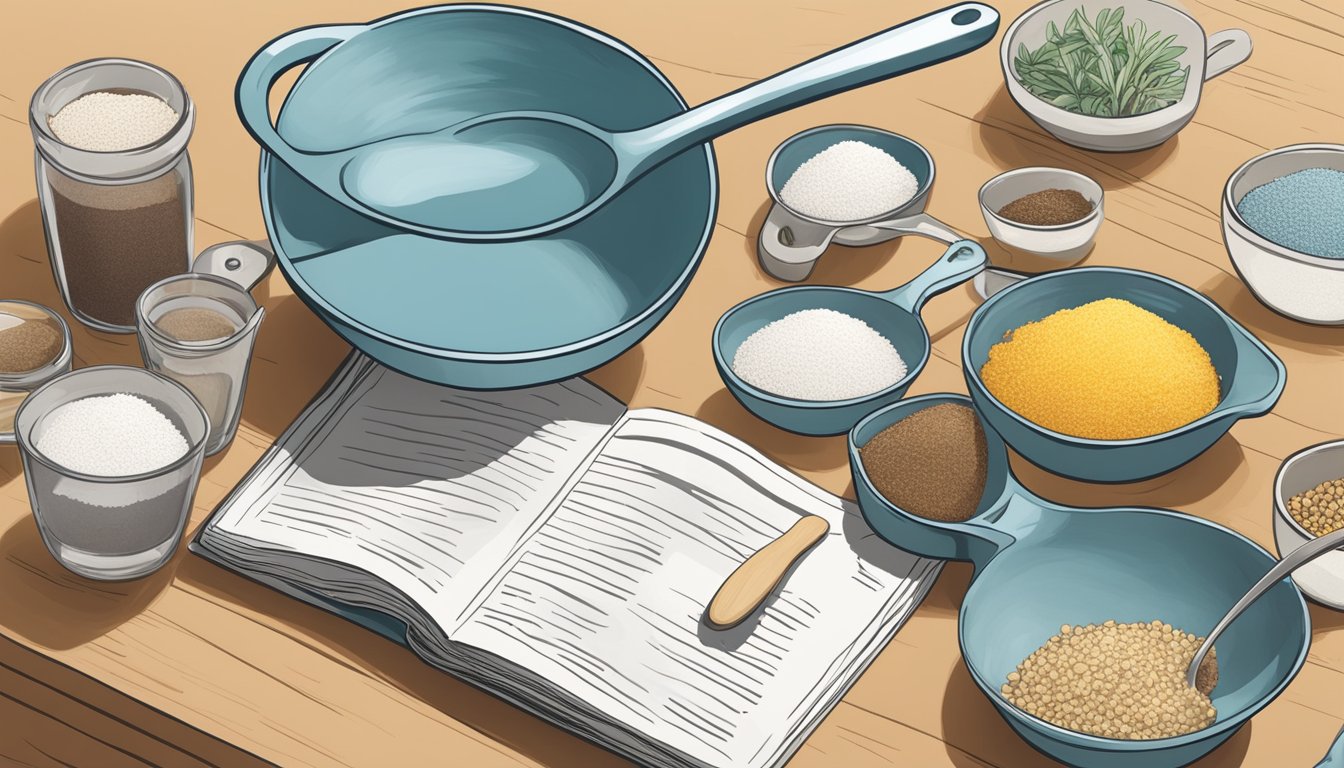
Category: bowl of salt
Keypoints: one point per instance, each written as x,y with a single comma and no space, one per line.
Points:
814,360
851,185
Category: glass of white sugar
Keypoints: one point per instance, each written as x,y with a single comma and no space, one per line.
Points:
111,455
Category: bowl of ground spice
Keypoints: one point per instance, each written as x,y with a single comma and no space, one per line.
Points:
34,349
1113,375
1051,213
1309,502
1067,603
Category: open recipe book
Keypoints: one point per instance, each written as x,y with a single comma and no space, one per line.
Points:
559,551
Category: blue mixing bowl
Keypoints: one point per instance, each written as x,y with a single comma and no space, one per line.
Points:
894,314
478,315
1252,377
1039,565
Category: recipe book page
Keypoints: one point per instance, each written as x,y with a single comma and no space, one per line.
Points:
426,487
606,595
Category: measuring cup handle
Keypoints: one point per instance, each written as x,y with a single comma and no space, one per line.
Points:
1226,49
789,247
961,261
920,224
245,262
252,95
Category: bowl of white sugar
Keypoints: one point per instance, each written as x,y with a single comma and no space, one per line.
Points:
112,455
814,360
849,185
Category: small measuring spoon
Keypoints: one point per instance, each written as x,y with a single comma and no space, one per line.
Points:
894,314
521,174
1295,559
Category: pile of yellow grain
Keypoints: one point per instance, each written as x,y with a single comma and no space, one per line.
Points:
1107,370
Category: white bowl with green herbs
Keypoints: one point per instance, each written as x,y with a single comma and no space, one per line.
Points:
1113,76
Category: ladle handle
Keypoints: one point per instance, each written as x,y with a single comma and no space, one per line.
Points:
939,36
1291,562
252,95
961,261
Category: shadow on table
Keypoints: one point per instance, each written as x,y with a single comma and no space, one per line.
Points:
792,450
294,356
1012,140
381,659
1272,328
53,607
973,728
1185,485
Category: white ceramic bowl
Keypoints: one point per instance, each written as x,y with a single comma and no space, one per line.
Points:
1064,243
1207,57
1301,286
1323,578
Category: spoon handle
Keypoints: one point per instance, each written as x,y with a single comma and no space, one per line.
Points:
930,39
1294,560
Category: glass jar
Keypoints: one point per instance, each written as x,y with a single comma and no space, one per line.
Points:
104,527
116,222
15,386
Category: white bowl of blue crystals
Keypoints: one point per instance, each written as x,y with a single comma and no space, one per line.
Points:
1283,223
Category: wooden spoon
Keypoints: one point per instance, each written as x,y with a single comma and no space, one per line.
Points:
748,586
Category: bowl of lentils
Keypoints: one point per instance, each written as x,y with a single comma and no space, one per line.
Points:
1283,224
1309,502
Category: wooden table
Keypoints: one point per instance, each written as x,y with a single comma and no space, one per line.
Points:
195,665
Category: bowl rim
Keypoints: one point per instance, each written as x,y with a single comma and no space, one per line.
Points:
923,190
1102,743
1132,124
1095,213
735,382
1232,217
977,385
1280,501
330,312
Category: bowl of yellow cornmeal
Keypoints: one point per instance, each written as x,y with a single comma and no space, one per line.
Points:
1113,375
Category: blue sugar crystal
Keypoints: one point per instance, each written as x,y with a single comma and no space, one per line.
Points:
1303,211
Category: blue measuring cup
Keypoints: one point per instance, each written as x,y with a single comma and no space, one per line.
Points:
1040,565
894,314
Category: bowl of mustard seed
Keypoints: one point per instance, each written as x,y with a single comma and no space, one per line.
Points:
1308,503
1049,213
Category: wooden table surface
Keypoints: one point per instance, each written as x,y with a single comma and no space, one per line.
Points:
197,665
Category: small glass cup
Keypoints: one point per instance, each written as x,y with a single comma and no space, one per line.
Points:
213,369
15,386
111,528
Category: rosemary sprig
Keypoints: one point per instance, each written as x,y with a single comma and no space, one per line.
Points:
1103,68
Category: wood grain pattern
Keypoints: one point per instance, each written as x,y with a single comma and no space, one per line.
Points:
295,686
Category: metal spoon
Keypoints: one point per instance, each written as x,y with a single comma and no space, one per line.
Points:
521,174
1295,559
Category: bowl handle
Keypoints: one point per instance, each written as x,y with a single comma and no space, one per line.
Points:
1226,49
252,95
788,247
961,261
1259,378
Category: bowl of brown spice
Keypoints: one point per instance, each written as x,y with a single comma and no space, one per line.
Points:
1049,213
34,349
1309,503
1079,624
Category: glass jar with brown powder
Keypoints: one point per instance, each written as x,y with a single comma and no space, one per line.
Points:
115,184
34,349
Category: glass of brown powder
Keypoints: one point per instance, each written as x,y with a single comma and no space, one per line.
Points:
34,349
199,330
